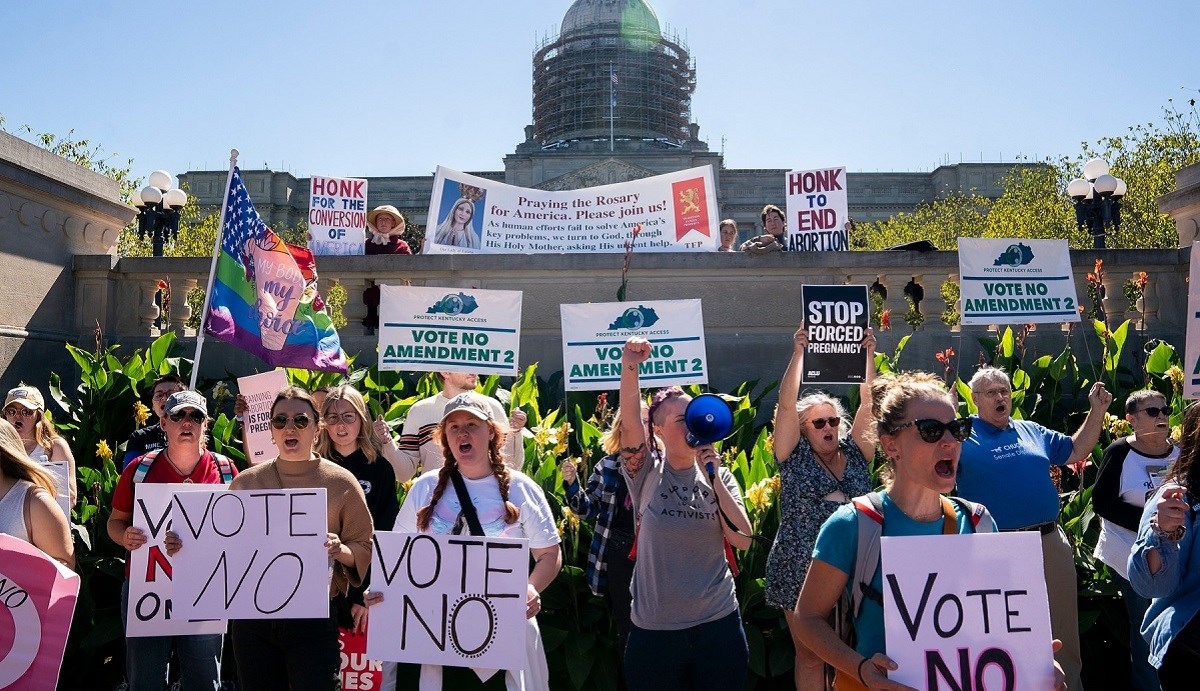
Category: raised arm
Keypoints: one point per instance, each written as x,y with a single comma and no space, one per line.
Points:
633,435
787,422
1085,438
860,431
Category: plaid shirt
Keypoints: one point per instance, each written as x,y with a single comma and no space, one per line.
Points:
599,502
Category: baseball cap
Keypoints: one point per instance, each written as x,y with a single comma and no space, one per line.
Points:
185,399
26,396
470,402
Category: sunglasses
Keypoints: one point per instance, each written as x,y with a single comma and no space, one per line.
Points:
16,411
195,416
820,422
345,419
931,431
300,421
1155,412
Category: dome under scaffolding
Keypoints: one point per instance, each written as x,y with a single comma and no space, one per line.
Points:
611,70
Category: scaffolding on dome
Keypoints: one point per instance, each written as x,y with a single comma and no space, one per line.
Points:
655,80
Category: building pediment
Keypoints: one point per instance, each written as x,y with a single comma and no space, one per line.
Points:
607,172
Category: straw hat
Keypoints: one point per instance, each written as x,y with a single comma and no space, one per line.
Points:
387,209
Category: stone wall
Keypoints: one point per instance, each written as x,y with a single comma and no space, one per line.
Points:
50,211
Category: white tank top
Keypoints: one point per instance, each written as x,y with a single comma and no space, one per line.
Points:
12,510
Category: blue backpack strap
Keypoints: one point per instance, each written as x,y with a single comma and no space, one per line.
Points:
143,467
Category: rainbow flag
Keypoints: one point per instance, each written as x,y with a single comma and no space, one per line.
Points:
264,297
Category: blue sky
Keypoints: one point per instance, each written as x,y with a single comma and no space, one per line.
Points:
396,88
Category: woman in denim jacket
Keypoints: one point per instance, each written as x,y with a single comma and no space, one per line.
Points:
1164,566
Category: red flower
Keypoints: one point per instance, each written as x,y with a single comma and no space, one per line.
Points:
944,356
162,285
885,320
1141,280
1099,266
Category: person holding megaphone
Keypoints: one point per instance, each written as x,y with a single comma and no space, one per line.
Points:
686,629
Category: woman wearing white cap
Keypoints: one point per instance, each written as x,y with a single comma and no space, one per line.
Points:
25,410
385,225
508,503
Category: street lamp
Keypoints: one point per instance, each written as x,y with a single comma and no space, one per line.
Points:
1097,198
158,208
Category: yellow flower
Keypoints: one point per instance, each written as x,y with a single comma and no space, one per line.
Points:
1175,434
562,436
761,494
542,436
103,451
407,486
1117,426
1175,374
140,413
776,483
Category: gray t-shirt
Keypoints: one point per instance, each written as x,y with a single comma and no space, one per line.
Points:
681,578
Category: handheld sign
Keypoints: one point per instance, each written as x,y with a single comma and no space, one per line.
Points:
975,617
1191,388
151,611
251,554
357,671
456,600
817,210
595,334
260,391
1016,282
337,215
449,330
474,215
37,601
836,319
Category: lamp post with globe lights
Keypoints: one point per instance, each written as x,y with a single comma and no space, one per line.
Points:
158,206
1097,198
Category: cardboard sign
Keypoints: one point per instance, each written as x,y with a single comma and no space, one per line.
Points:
37,601
1016,282
975,617
469,214
817,210
449,330
337,215
836,319
1191,363
151,610
260,391
456,600
594,336
251,554
357,671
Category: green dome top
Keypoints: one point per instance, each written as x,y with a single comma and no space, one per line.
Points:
633,18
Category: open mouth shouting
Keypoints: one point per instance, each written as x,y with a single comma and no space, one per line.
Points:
945,468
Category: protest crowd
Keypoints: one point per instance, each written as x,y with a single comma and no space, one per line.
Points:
335,531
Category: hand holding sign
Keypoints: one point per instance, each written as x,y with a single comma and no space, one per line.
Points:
873,671
800,339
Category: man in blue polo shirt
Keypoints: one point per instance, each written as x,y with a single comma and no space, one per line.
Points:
1005,465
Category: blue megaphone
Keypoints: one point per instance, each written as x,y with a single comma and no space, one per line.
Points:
708,419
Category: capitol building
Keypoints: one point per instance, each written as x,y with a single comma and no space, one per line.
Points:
612,99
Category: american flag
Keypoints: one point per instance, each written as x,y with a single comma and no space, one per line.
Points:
614,76
242,222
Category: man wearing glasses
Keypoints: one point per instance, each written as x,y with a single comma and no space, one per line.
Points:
151,437
184,459
1005,465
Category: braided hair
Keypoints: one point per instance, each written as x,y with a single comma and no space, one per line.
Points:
495,459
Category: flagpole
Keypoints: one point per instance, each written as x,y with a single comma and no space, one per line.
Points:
212,270
612,102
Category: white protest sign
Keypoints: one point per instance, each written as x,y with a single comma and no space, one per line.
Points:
251,554
1016,282
260,391
449,330
37,601
817,210
468,214
976,617
1191,388
337,215
456,600
594,335
151,612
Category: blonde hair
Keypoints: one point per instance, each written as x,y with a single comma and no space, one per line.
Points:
495,459
368,439
891,395
15,463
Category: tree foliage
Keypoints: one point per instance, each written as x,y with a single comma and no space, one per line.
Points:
1034,204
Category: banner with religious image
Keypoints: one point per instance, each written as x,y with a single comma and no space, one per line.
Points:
676,212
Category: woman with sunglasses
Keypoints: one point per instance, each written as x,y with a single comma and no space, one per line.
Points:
822,465
1133,467
25,410
302,654
686,631
1163,565
916,424
27,507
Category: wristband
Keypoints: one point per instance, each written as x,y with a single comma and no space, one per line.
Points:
865,660
1169,535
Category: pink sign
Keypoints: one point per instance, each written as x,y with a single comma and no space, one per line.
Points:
38,596
357,671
